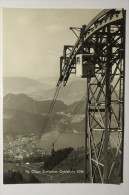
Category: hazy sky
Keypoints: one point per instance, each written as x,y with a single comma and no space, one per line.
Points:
33,39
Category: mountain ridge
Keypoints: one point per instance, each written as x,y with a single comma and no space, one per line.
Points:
44,89
28,104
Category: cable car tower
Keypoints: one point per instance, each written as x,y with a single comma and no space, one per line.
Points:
99,56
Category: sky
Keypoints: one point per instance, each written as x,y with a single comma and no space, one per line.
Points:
33,39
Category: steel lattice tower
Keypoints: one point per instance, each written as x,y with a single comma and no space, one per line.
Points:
105,37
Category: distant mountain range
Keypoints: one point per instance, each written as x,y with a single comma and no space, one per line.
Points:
44,89
23,115
23,85
27,104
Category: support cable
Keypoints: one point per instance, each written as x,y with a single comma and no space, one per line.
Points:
51,108
71,118
69,121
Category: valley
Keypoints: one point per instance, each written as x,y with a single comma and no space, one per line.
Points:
27,144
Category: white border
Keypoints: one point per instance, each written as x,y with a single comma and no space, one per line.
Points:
70,189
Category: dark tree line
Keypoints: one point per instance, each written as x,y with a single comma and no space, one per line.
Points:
51,161
15,177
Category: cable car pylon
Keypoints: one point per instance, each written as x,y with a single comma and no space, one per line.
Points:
99,56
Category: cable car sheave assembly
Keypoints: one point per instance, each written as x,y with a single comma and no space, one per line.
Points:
99,56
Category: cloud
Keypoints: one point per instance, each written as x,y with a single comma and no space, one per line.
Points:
54,28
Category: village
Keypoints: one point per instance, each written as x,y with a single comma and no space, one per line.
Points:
22,149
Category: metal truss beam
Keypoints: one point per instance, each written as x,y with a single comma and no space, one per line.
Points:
105,37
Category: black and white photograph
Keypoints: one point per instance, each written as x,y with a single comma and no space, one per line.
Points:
63,115
64,90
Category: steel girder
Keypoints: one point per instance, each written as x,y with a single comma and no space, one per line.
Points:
105,37
105,118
